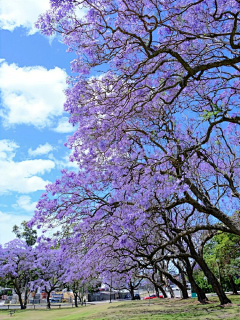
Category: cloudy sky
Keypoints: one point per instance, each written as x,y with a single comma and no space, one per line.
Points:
33,125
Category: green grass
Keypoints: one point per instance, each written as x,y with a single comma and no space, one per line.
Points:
167,309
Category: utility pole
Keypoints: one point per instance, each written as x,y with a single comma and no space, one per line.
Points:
111,291
219,275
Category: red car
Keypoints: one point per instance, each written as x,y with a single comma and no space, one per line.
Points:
152,296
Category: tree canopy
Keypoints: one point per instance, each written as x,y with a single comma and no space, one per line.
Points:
24,232
155,99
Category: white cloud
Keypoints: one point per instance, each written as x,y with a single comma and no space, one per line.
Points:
7,149
64,126
31,95
7,221
24,202
21,13
41,149
21,176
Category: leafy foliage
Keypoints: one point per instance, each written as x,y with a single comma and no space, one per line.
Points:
26,233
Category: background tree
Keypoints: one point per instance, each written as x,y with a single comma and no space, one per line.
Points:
51,270
25,233
17,267
222,253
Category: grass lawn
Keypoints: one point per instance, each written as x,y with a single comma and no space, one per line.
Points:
164,309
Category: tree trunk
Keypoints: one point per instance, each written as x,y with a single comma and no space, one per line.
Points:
75,299
213,281
184,292
208,273
163,291
156,290
202,298
132,292
178,283
79,297
20,300
184,282
183,286
48,300
83,295
18,292
25,297
233,285
172,294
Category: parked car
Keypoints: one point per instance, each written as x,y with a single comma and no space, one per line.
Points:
54,300
152,296
189,287
128,296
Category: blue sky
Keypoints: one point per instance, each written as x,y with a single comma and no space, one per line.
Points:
33,125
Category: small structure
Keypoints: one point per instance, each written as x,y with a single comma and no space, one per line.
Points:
57,297
101,296
35,298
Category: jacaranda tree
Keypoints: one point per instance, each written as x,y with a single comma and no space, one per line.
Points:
155,101
17,268
51,270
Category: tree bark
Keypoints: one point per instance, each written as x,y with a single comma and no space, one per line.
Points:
172,294
48,301
202,298
132,291
208,273
25,297
213,281
20,301
19,293
178,283
233,285
75,300
163,291
184,292
156,290
156,284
